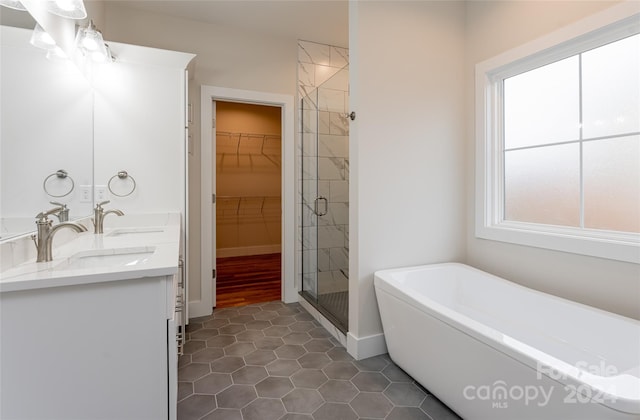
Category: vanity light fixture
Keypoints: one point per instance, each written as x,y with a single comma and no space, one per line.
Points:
13,4
89,41
72,9
41,39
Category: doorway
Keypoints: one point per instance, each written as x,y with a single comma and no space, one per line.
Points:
204,293
248,185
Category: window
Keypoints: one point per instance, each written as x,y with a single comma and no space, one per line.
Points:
558,135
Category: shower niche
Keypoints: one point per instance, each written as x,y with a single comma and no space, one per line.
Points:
324,89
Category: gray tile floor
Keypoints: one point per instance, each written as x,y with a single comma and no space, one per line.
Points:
273,361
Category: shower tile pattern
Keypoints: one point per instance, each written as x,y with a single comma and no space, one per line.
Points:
323,86
273,361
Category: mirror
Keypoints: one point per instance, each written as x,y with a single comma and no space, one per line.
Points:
46,135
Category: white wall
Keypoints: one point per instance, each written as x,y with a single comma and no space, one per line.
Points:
142,133
407,147
226,57
492,28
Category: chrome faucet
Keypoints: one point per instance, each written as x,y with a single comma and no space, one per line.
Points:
44,238
63,214
99,214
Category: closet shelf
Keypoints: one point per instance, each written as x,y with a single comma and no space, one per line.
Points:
248,143
231,206
255,151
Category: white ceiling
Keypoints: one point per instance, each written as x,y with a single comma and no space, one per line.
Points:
324,21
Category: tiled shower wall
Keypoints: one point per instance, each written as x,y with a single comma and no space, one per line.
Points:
323,92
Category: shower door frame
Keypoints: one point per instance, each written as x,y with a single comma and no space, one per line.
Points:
310,216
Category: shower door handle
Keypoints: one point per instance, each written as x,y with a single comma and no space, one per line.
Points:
315,206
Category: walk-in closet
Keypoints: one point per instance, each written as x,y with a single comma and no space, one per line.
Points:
248,203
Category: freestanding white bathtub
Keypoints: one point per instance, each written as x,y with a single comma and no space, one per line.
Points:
491,349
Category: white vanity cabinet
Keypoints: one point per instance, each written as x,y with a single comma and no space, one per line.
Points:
89,351
95,341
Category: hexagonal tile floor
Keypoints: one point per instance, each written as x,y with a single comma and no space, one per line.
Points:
272,361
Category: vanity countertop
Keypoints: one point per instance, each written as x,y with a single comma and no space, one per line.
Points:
132,246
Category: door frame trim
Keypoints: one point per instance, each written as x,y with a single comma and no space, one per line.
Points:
207,218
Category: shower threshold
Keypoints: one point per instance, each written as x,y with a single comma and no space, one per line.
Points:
333,306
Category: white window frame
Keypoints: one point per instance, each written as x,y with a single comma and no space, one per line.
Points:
612,24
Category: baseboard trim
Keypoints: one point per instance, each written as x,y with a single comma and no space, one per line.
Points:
248,250
365,347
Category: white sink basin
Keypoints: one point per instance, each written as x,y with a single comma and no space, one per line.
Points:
107,258
135,231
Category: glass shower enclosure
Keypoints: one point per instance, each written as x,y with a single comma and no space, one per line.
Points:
325,198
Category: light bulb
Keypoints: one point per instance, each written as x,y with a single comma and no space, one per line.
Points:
90,43
72,9
67,5
41,39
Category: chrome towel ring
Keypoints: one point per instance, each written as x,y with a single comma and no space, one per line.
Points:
123,175
62,175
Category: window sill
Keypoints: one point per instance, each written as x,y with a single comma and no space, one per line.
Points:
594,243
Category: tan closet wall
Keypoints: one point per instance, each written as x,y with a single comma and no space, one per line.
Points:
248,179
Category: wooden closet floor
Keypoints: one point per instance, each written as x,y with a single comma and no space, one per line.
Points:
248,279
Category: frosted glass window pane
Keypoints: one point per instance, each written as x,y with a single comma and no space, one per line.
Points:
611,88
612,184
542,185
541,106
